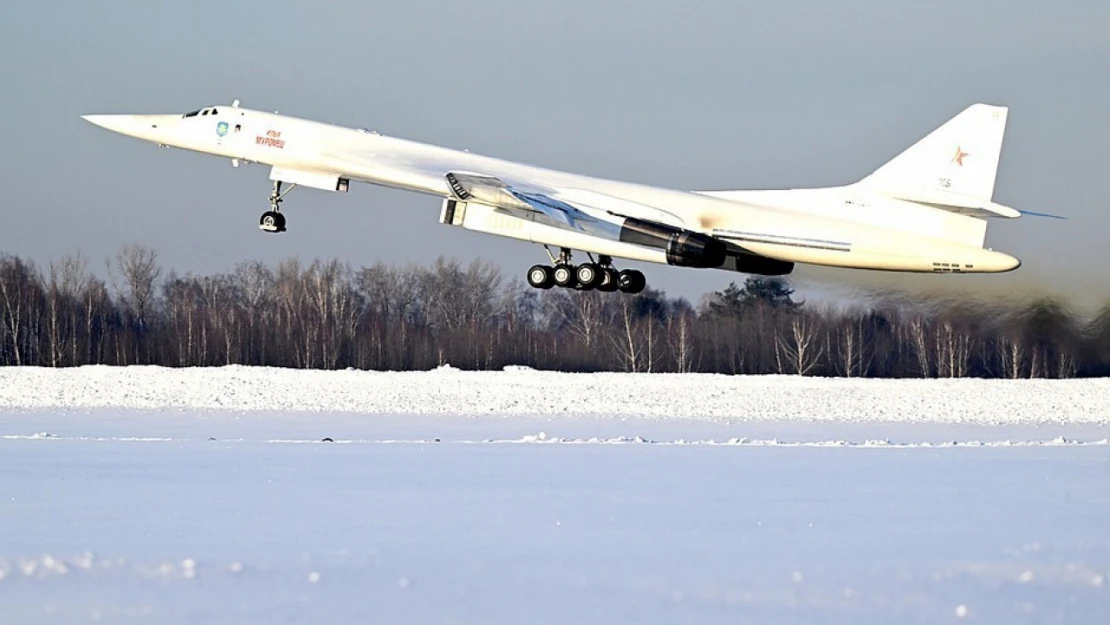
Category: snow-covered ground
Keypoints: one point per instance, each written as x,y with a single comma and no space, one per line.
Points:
524,392
209,496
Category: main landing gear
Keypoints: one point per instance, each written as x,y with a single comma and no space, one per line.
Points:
585,277
272,220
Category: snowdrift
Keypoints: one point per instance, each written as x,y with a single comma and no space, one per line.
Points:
525,392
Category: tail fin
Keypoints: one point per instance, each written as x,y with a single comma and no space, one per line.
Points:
959,159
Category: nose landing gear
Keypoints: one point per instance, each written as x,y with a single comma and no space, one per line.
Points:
272,220
600,275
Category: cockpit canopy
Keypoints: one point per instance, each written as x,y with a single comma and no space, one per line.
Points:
202,112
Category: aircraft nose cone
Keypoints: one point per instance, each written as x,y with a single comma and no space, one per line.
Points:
115,123
155,128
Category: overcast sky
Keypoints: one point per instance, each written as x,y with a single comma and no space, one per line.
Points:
693,95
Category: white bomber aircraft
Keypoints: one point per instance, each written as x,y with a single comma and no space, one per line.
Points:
924,211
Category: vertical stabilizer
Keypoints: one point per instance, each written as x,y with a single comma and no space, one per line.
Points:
960,158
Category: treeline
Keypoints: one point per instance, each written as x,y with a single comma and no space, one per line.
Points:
328,315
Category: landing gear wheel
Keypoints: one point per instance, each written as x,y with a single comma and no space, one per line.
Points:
589,276
272,221
564,276
541,277
609,280
631,281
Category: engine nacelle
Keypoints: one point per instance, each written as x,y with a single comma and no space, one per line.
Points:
761,265
684,248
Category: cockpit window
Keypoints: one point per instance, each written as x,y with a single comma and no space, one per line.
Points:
192,113
215,112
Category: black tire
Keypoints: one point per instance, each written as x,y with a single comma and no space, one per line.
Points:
640,282
564,276
609,280
589,276
540,277
632,281
272,221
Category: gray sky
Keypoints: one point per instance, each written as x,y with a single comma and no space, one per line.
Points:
696,95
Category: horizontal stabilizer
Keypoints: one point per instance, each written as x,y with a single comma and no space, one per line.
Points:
965,205
1047,215
955,203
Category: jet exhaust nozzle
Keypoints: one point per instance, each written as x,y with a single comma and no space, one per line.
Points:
684,248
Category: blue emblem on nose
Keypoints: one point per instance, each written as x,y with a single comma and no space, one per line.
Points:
221,129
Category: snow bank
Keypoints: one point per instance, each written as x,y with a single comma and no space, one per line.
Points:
525,392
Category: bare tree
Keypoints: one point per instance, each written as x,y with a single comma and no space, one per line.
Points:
917,332
18,292
1011,355
135,278
66,280
96,308
799,345
255,284
333,312
1067,365
953,350
627,341
680,331
853,355
391,297
584,314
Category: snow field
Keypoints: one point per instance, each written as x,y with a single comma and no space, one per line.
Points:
240,495
187,530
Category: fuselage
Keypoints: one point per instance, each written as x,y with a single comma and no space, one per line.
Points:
851,226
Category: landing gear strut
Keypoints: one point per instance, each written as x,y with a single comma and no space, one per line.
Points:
272,220
600,275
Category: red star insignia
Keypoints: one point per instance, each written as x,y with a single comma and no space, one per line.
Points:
958,157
